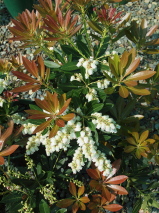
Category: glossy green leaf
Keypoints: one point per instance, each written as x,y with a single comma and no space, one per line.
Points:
43,207
51,64
137,205
70,66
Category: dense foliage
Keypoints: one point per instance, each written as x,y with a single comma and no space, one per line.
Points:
68,114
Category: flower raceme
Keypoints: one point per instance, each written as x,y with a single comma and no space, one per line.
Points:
53,109
37,75
77,201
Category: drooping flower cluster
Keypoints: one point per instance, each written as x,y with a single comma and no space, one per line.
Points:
92,95
102,84
90,66
76,77
4,83
104,123
88,149
61,141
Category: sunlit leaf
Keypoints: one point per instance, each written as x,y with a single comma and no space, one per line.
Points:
93,173
1,160
68,117
113,207
117,180
144,136
84,199
120,190
9,150
123,92
81,191
139,91
141,75
72,189
42,126
106,194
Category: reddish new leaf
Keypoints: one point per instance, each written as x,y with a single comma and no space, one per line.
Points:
120,190
106,194
9,150
68,117
26,87
75,207
42,126
118,179
72,189
94,174
113,207
84,199
141,75
81,191
1,160
60,123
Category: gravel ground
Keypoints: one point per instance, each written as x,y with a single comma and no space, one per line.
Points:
148,9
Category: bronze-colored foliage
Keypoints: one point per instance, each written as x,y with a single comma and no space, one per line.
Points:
107,185
139,144
109,16
122,69
77,201
5,66
3,138
53,108
61,26
37,75
26,28
100,204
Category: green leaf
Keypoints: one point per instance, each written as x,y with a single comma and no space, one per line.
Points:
104,149
71,150
103,48
35,121
94,107
43,207
70,66
95,26
39,168
1,89
83,48
11,198
51,64
70,51
63,210
32,106
153,203
137,206
109,90
151,51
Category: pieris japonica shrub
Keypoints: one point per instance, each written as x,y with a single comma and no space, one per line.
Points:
68,113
